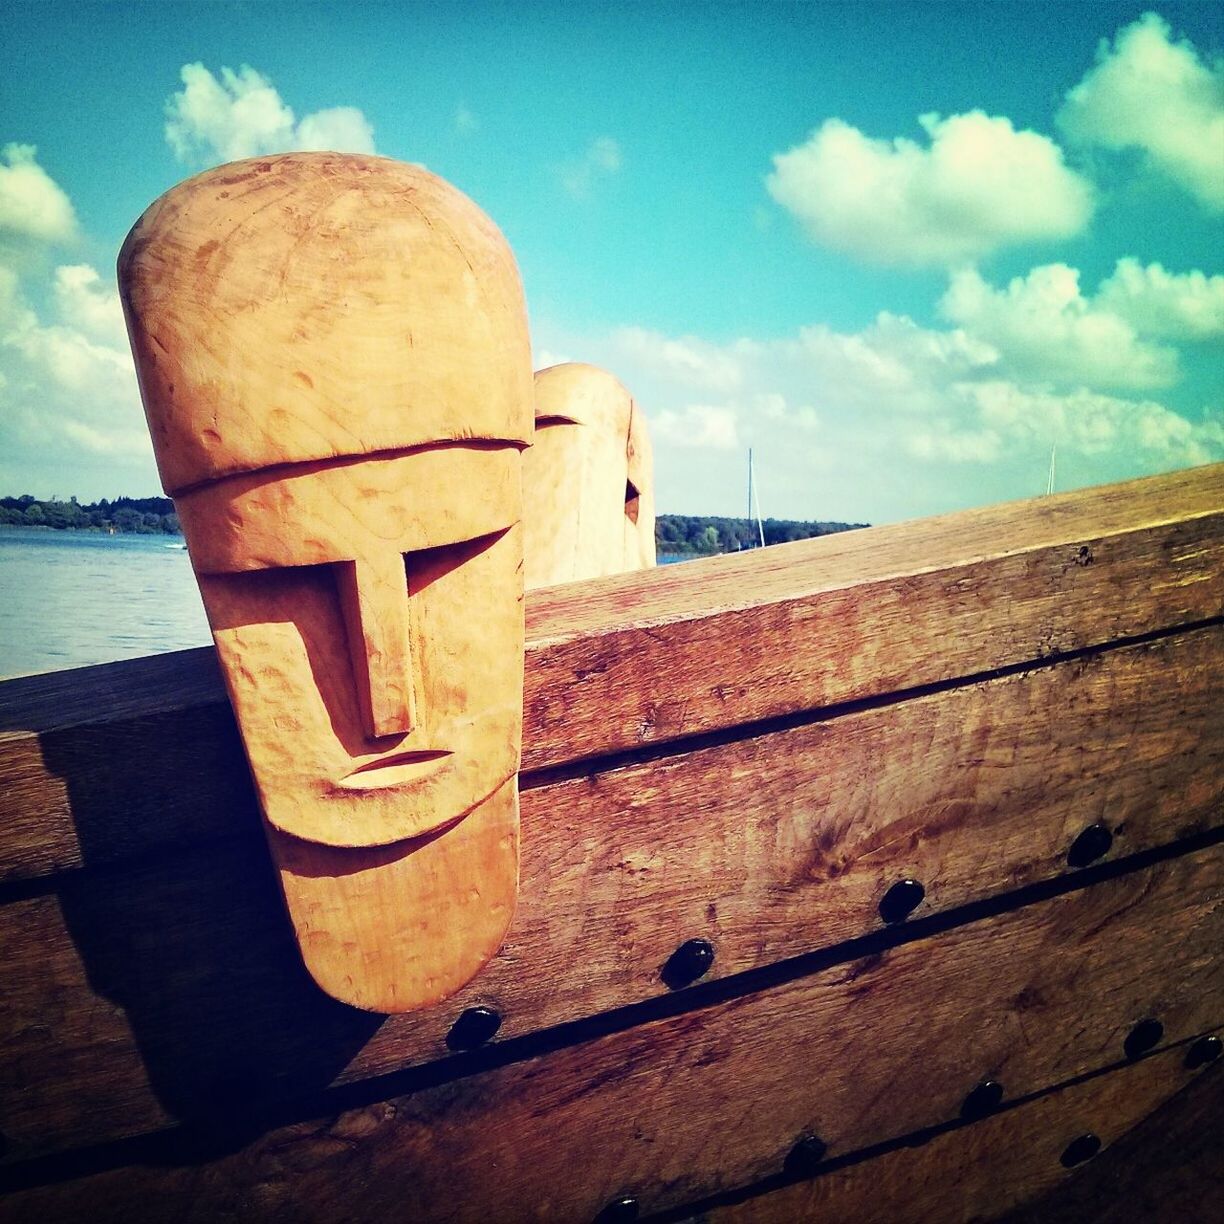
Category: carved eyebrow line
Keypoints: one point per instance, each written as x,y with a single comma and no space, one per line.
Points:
276,471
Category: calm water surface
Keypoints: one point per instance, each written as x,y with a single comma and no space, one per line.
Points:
69,598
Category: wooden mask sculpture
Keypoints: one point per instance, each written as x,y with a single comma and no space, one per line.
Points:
334,361
589,479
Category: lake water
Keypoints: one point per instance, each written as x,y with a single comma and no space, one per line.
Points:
71,598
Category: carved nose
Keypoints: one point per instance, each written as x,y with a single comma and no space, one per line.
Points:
374,598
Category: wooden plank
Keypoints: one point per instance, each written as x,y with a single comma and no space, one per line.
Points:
768,847
977,1172
713,1098
627,663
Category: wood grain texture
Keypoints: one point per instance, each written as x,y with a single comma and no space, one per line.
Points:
312,306
629,662
768,847
711,1099
976,1173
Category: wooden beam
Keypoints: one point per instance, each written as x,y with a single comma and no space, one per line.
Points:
626,664
705,1101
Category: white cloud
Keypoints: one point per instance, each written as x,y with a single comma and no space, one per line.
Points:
698,426
978,186
343,129
1047,331
601,159
891,420
32,204
242,115
1097,425
691,362
1180,306
68,384
465,121
85,303
1149,93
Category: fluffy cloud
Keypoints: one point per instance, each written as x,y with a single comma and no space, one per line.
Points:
689,361
601,159
1149,93
1180,306
68,383
242,115
1097,425
84,302
1048,331
897,419
979,185
32,203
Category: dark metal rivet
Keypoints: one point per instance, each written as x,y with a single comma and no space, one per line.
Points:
690,961
1093,843
901,900
1079,1150
985,1098
1205,1050
804,1158
473,1028
622,1210
1143,1037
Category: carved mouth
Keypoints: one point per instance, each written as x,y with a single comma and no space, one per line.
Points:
394,770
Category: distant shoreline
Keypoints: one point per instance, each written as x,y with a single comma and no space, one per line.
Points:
676,535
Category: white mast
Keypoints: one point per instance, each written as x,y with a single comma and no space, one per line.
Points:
754,502
1050,479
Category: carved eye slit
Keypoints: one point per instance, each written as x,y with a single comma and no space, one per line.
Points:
426,565
633,501
547,422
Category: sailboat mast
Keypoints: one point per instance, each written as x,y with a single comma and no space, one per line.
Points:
749,516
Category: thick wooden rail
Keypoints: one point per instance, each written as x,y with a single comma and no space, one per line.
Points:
748,750
633,662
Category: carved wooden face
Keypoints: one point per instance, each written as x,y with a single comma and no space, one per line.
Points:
368,617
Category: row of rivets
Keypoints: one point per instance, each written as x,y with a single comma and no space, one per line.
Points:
691,961
903,897
694,957
809,1150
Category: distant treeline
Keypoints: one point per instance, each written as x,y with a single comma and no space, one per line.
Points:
689,535
675,534
139,515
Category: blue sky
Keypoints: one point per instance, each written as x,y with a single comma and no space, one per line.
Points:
899,250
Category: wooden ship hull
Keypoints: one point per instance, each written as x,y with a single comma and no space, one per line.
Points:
875,877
